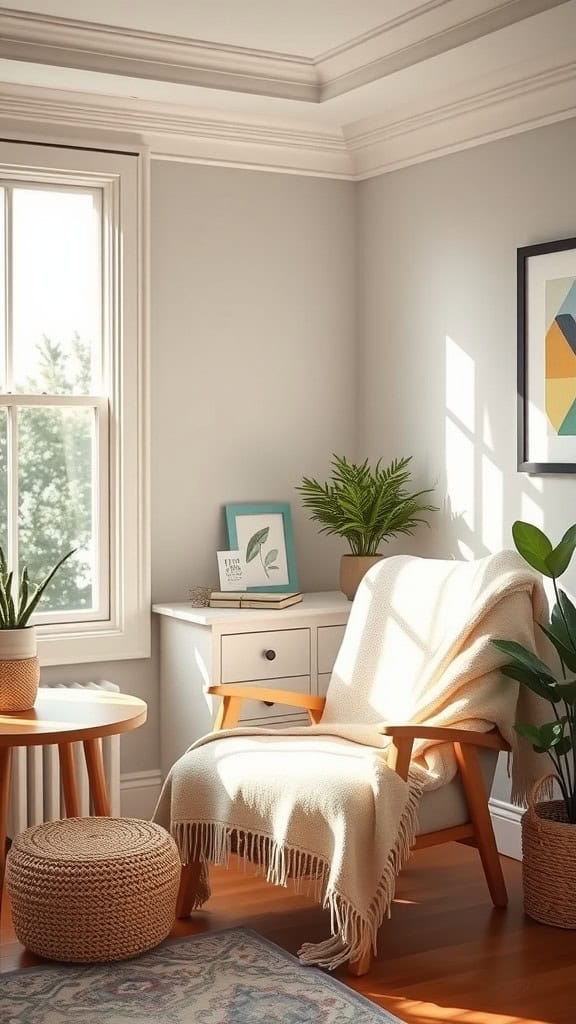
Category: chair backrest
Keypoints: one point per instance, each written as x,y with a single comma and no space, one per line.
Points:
418,648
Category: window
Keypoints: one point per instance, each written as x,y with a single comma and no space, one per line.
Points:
72,417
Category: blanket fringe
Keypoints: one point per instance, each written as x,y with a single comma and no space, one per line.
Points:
353,933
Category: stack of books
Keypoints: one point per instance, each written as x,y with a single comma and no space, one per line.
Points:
254,599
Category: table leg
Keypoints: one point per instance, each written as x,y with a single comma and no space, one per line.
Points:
5,772
96,777
68,776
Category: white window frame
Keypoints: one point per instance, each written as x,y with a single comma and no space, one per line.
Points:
122,442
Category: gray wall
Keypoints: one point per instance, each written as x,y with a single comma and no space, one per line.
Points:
437,295
252,376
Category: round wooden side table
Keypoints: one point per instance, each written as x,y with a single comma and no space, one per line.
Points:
65,717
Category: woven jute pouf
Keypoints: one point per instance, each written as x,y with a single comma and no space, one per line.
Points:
93,889
549,862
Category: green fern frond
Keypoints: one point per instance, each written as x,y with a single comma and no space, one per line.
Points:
365,506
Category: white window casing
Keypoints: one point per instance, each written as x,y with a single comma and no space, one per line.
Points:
118,626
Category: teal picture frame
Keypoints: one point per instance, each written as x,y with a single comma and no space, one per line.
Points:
262,509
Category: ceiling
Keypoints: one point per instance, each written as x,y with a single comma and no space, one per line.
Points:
305,27
345,89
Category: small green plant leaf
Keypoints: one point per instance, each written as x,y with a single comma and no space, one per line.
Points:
275,567
255,543
567,612
543,737
559,559
524,657
533,545
543,687
529,732
567,655
567,691
39,590
271,556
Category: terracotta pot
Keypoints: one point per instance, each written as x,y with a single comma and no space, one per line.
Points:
352,569
19,670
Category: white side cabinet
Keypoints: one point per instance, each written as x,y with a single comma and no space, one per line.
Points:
291,649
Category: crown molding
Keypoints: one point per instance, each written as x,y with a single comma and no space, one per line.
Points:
175,133
429,30
90,46
361,150
425,32
380,146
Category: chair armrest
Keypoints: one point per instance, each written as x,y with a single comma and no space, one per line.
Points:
234,693
403,737
491,739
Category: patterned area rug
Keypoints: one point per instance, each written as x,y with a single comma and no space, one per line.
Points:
230,977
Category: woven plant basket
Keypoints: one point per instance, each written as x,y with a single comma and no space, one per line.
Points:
549,861
19,670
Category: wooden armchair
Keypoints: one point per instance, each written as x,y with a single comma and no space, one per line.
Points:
458,812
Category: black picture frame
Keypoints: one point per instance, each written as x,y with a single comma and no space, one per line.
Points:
522,256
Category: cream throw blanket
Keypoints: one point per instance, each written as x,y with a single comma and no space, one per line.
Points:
318,806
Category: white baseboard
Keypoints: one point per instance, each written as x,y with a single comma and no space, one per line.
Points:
506,821
139,792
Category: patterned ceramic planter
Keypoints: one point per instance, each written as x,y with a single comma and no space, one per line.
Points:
19,669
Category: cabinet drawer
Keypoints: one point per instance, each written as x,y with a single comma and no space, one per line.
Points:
273,654
329,640
261,712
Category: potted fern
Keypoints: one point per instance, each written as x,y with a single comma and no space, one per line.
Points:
366,506
549,826
19,665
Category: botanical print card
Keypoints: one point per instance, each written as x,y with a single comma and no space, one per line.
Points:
231,570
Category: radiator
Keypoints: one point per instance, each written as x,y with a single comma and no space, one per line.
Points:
36,793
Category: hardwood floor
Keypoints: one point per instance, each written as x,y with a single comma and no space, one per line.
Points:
445,955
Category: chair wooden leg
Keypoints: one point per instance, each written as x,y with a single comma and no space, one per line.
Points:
358,968
477,800
189,878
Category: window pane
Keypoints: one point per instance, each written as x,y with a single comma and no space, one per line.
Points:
55,482
55,291
4,480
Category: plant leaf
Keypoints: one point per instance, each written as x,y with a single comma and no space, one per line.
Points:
533,545
542,737
559,559
524,657
39,590
255,543
533,681
271,556
567,655
567,691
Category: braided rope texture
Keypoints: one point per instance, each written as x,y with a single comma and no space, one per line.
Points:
93,889
549,864
19,681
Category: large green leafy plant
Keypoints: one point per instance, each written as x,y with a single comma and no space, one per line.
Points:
365,506
556,738
15,610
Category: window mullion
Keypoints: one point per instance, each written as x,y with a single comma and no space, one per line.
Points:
8,289
13,499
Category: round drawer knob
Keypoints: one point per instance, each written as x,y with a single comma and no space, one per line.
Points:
270,655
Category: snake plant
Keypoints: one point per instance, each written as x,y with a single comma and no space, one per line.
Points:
15,610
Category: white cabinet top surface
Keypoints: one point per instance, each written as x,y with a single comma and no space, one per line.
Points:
327,604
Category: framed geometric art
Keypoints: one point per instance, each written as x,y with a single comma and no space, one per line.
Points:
546,293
